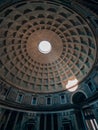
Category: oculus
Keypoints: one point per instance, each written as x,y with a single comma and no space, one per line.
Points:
44,47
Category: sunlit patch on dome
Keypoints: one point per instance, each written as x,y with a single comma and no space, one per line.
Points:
72,85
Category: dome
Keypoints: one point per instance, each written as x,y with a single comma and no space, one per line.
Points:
72,50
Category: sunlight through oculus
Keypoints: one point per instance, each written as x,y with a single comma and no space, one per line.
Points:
72,83
44,47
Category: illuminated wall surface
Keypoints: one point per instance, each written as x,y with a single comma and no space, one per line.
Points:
48,65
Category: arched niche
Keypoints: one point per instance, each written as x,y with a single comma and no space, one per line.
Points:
78,98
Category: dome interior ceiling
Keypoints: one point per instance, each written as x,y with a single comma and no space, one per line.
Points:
24,25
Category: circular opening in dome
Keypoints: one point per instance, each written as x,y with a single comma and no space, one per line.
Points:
44,47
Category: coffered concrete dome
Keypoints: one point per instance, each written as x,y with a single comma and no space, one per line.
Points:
72,52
